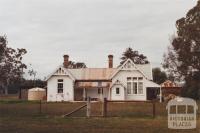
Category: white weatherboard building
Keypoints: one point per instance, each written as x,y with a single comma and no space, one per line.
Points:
128,82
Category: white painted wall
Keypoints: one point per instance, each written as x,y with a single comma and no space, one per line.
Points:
122,77
68,89
120,96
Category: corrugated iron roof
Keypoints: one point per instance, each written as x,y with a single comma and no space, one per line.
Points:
169,84
92,73
105,73
92,85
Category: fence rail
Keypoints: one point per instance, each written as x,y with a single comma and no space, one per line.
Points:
106,108
105,105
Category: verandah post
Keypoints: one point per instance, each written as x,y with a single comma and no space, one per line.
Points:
104,108
88,107
20,93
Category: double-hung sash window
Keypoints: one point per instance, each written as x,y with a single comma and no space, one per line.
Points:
117,91
129,85
60,86
140,87
134,88
135,85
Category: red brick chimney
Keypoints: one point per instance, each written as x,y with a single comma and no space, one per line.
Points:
110,61
66,61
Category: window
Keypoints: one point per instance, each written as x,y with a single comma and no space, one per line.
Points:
117,90
129,79
140,78
140,88
134,78
128,85
60,80
100,90
60,86
128,88
134,85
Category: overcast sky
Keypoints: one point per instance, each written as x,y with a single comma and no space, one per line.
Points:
89,30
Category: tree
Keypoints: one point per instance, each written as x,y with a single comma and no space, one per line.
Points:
11,65
27,84
134,56
183,58
159,76
192,86
33,73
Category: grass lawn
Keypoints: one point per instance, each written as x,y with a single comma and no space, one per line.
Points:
24,117
40,124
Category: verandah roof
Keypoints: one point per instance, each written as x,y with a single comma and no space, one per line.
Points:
92,85
149,83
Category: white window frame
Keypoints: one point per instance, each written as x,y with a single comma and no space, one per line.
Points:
116,90
142,89
130,82
60,82
136,80
134,90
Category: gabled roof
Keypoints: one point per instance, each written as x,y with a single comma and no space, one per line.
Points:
104,73
144,69
63,71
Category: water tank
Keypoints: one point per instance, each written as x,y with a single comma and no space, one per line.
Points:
36,94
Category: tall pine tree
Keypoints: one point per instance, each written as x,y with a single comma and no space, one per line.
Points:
134,56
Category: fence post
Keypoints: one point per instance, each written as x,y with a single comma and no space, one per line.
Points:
154,108
104,108
40,106
20,93
88,107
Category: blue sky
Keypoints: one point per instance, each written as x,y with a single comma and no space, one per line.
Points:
89,30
